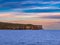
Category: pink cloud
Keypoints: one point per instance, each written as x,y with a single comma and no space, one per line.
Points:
17,15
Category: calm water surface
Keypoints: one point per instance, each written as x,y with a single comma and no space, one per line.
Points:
29,37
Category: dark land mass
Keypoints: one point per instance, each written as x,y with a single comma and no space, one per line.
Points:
14,26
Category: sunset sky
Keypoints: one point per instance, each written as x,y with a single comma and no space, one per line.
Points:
41,12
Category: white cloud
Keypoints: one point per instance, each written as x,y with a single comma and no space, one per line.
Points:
33,2
36,7
41,2
49,7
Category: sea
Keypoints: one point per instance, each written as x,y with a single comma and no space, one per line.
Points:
29,37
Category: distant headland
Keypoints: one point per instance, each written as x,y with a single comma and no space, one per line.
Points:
14,26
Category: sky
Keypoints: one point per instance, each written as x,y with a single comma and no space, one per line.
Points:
41,12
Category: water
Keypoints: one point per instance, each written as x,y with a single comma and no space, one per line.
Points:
29,37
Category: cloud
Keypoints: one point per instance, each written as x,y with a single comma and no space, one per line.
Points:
45,7
41,2
52,17
31,5
48,16
34,2
38,9
7,15
16,16
27,3
28,16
